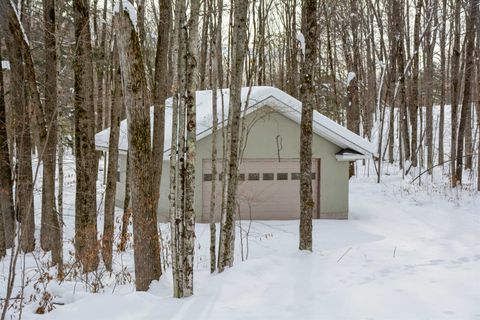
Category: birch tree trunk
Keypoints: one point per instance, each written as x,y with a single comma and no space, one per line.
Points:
309,29
182,170
216,61
85,158
176,150
191,125
240,24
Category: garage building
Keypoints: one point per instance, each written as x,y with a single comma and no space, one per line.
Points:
268,187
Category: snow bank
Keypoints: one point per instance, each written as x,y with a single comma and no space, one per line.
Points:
403,254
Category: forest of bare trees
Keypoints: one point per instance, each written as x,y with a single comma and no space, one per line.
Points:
383,69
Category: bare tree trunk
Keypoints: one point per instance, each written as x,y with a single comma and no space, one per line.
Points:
477,106
160,93
309,29
20,48
85,157
184,144
441,126
415,96
145,232
23,148
7,212
469,68
6,203
216,61
109,213
176,149
127,210
455,89
429,46
60,196
392,78
404,126
50,228
240,23
191,138
204,45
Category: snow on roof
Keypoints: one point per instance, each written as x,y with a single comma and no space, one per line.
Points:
253,99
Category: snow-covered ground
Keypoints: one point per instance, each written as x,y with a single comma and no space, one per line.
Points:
407,252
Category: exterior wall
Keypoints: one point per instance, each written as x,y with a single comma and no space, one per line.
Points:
267,129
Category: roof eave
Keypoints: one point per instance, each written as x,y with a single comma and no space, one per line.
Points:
352,157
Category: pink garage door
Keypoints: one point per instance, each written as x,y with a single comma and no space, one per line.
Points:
267,189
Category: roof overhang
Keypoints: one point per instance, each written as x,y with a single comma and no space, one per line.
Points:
351,155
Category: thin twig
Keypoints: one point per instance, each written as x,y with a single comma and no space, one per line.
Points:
344,254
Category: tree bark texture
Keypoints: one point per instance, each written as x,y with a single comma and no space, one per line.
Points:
309,29
240,23
86,245
7,212
144,214
469,73
109,213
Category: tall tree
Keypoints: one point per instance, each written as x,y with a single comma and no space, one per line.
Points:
85,158
109,213
183,175
240,23
443,47
467,93
23,157
7,212
160,93
190,152
414,82
19,48
49,237
309,29
144,215
455,89
216,62
428,79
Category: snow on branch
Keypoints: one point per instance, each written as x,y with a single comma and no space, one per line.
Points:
25,38
300,38
350,76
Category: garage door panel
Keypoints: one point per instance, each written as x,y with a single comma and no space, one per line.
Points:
274,196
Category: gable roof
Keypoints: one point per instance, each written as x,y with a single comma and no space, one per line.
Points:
253,99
